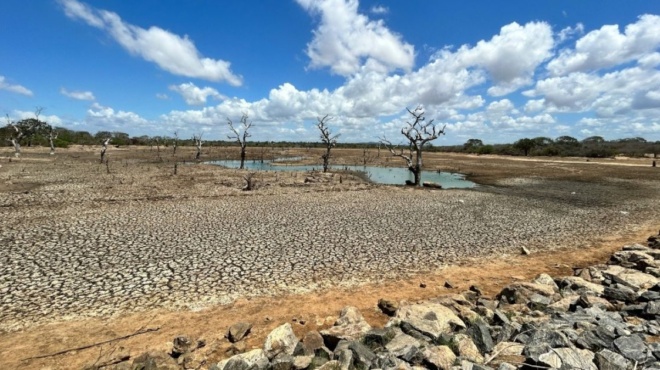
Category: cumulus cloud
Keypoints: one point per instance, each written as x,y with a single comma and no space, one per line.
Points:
607,47
173,53
78,95
347,41
162,96
18,89
194,95
53,120
511,57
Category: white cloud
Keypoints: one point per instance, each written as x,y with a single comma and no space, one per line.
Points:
607,47
78,95
512,56
379,9
347,41
162,96
50,119
173,53
194,95
109,118
18,89
568,32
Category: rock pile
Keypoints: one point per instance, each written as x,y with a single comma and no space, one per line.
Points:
603,317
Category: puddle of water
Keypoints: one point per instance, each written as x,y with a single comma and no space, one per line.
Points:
379,175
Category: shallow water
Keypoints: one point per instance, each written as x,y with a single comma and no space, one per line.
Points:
379,175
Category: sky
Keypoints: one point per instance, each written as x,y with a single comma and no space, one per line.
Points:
495,71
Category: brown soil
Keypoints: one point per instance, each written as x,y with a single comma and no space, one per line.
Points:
319,309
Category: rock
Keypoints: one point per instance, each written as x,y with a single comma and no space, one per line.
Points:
234,363
448,285
388,307
181,345
311,342
500,318
608,360
405,347
280,340
330,365
238,331
439,358
568,358
545,279
155,360
376,339
632,278
362,356
538,302
476,289
465,347
524,251
302,362
283,362
480,335
579,285
649,296
422,285
520,292
620,293
429,318
633,348
506,366
349,326
431,185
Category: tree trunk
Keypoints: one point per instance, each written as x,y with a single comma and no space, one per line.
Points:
326,160
52,146
418,167
242,157
17,147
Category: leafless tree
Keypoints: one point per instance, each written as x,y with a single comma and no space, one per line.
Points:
249,181
241,138
327,139
52,136
104,143
418,133
197,140
16,139
176,142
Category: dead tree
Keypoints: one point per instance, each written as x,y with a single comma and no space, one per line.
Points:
197,140
52,136
327,139
176,142
241,138
16,139
104,143
249,181
418,132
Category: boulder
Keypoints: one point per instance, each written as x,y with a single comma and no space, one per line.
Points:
431,319
568,358
620,293
238,331
181,345
280,340
388,307
439,358
579,285
632,278
378,338
633,348
465,347
520,292
311,342
480,334
350,325
283,362
608,360
545,279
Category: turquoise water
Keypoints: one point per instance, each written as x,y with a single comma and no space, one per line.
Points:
379,175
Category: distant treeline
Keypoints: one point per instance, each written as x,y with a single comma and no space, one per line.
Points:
594,146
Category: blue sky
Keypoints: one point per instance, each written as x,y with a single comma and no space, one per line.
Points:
497,71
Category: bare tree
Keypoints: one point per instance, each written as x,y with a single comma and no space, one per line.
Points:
419,133
52,136
16,139
197,140
249,181
241,138
104,143
327,139
176,142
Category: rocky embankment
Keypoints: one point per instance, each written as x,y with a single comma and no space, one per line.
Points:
603,317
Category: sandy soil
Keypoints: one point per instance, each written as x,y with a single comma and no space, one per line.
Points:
317,309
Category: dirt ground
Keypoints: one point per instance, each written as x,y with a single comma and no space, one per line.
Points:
306,312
